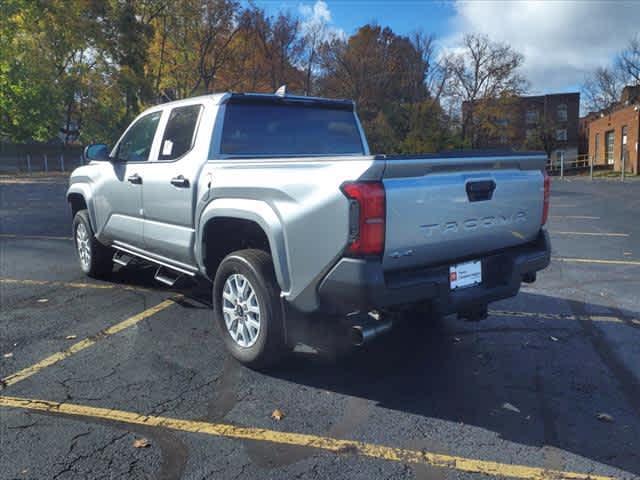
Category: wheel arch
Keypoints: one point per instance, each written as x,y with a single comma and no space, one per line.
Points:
245,223
79,197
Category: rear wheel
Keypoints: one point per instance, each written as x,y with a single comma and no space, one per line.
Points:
246,308
95,258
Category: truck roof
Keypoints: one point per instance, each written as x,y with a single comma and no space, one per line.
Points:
220,98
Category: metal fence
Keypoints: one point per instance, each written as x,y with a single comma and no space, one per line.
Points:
32,158
580,165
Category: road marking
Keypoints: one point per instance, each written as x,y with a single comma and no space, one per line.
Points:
99,286
596,261
33,237
335,445
84,344
559,316
593,234
578,217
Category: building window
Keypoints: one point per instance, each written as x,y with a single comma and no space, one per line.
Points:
624,153
596,148
531,116
609,141
561,134
562,112
559,157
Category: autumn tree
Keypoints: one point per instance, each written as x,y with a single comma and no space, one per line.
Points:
628,61
191,46
483,75
279,44
602,87
395,82
315,32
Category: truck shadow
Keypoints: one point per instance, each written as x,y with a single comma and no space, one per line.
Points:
535,380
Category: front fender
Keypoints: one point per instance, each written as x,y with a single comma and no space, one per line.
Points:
255,211
84,190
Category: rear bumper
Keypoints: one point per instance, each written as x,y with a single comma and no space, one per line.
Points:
361,284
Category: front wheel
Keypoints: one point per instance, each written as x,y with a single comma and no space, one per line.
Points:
246,308
95,258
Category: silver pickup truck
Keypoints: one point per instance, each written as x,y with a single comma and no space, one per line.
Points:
277,201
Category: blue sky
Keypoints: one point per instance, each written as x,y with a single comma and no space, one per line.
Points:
402,16
561,40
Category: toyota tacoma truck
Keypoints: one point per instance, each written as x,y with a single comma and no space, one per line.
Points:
276,200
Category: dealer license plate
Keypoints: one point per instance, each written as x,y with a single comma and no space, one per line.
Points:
465,274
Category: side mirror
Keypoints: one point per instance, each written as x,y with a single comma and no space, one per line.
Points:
96,151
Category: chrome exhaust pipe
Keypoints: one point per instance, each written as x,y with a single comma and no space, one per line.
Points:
361,334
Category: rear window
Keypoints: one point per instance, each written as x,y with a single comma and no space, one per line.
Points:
275,129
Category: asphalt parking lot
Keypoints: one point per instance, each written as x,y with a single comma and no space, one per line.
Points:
547,387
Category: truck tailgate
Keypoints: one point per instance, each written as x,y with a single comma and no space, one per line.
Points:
443,209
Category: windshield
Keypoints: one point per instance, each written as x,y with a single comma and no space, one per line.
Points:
277,130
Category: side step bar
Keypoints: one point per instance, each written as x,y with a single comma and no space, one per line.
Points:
141,254
122,258
166,276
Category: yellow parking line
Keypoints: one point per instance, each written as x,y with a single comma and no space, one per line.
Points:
32,237
558,316
83,344
596,261
99,286
335,445
593,234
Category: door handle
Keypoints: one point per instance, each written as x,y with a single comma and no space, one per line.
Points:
180,181
135,178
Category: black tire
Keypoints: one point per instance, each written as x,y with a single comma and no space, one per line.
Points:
99,264
257,267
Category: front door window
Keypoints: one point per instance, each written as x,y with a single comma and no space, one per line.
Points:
135,146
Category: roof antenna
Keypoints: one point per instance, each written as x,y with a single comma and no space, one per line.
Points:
282,91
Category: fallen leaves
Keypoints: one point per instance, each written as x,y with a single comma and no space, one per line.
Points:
70,337
553,339
604,417
43,300
510,407
141,443
8,355
277,415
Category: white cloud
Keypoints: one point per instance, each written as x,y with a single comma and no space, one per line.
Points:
561,40
317,17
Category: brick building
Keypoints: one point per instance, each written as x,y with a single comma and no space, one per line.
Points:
556,117
614,133
541,122
583,132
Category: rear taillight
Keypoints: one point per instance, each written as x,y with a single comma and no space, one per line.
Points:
366,217
546,195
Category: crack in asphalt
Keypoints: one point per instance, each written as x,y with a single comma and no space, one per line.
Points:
69,465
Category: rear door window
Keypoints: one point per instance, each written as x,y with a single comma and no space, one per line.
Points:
179,134
264,129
